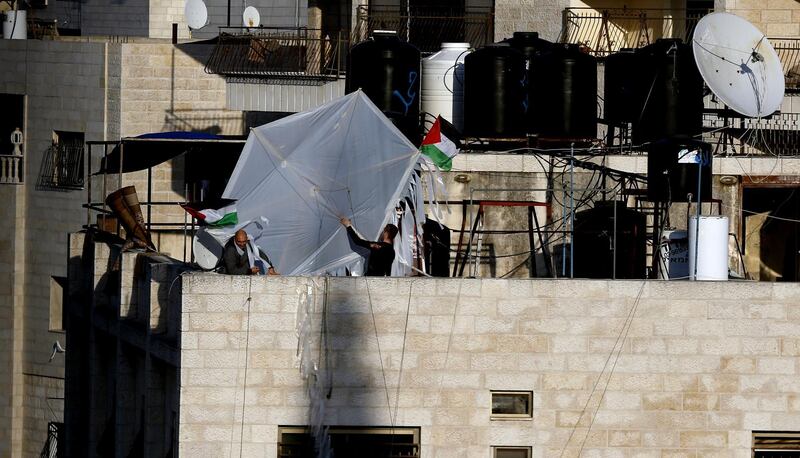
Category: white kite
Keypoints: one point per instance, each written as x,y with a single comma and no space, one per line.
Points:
304,172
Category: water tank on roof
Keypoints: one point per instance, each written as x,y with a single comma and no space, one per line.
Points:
388,71
443,83
494,92
565,88
671,91
672,169
621,82
531,46
594,242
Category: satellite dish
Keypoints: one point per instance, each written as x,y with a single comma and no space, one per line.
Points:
207,251
250,17
739,64
196,14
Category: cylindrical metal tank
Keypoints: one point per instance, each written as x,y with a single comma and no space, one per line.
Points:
594,242
565,88
443,83
672,170
621,96
494,92
388,71
671,92
708,248
15,25
531,46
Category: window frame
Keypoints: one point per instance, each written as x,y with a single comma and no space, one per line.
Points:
512,416
527,448
791,437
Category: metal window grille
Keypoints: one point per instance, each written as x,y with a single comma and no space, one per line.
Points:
776,444
399,442
63,164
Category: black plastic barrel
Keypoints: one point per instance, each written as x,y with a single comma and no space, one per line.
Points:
388,71
672,170
531,46
494,92
594,242
565,91
671,91
621,94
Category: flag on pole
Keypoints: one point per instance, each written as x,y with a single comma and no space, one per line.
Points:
441,144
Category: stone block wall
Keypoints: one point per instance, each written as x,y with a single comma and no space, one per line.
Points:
617,368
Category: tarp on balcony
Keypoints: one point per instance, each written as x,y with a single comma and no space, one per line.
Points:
297,176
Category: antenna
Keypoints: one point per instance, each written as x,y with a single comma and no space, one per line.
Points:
738,64
250,17
196,14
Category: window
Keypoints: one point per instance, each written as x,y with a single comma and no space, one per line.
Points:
12,116
62,164
776,444
513,405
511,452
58,286
296,442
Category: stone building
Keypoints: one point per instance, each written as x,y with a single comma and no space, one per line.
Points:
123,77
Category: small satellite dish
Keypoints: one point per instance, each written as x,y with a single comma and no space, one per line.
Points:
250,17
196,14
738,64
207,251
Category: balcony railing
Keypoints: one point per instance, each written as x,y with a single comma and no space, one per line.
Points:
788,50
778,135
11,169
54,432
607,31
427,28
278,53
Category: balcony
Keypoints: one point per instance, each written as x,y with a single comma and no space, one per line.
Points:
427,28
11,171
297,54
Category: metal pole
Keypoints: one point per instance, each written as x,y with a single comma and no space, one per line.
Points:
697,222
564,239
149,197
229,13
571,210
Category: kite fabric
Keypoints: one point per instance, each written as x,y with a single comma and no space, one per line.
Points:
304,172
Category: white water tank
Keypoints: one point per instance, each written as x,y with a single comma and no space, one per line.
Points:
708,247
15,25
442,83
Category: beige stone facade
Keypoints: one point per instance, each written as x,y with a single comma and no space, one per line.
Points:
617,368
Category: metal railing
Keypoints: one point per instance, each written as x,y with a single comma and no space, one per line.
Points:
608,30
427,28
11,169
788,50
50,449
273,52
778,135
62,167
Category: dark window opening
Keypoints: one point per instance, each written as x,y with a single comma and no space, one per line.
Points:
11,117
512,404
770,235
776,444
511,452
62,164
296,442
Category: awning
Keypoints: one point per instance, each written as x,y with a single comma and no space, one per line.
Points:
149,150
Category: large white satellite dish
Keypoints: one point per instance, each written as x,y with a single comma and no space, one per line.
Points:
196,14
250,17
739,64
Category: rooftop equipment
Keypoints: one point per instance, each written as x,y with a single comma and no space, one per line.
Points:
621,98
443,83
388,71
596,235
196,14
494,92
672,174
565,92
708,248
531,47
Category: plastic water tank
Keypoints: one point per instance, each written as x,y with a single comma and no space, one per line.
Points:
672,169
494,92
708,248
531,47
621,94
565,88
443,83
671,90
15,27
388,71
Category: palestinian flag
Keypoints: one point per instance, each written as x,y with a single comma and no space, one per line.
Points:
217,213
441,144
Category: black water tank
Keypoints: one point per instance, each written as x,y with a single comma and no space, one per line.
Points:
621,95
388,71
672,169
494,92
565,88
531,46
594,242
671,90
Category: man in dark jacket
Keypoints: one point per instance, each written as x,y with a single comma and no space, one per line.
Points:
381,253
238,257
